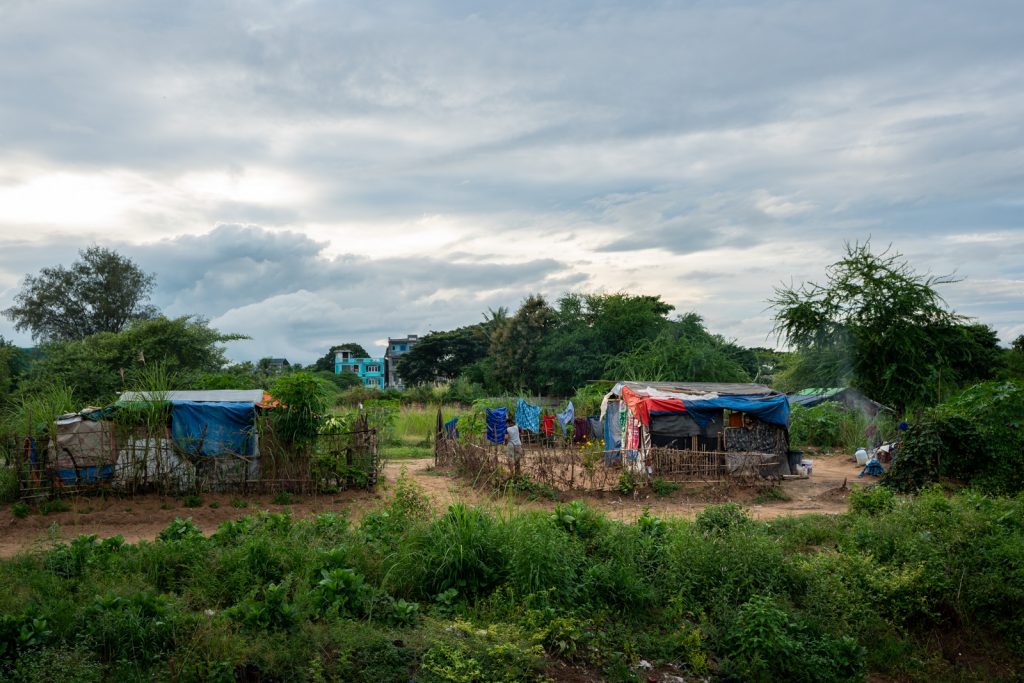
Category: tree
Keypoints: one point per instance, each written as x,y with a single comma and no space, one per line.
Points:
325,362
593,328
101,292
683,351
443,355
878,323
13,364
101,365
516,342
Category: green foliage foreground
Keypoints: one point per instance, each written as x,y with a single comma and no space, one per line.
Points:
470,595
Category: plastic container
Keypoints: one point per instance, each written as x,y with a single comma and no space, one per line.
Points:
808,465
794,461
862,457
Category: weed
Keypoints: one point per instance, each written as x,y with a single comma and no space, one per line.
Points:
214,505
192,501
283,498
872,500
20,510
664,487
9,486
53,505
721,519
628,482
771,495
239,503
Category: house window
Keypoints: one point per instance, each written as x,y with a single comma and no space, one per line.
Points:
405,347
372,368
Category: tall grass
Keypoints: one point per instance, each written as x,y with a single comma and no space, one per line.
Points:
473,594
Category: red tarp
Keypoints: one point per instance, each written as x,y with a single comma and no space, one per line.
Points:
641,406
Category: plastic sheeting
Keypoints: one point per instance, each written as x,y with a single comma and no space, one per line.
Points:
566,417
213,428
496,419
771,409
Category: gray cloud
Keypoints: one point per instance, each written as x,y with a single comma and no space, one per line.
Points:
347,152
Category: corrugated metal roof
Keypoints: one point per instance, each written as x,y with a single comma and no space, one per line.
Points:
203,395
720,388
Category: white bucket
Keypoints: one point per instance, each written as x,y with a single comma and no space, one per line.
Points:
862,457
808,465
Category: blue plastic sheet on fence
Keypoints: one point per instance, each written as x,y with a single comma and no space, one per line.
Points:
213,428
496,418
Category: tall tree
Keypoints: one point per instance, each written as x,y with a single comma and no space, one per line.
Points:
103,364
443,355
101,292
516,343
882,323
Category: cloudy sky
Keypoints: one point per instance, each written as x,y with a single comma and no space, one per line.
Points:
309,173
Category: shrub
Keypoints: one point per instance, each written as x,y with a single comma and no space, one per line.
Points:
139,627
53,505
628,482
935,448
722,519
283,498
9,487
20,510
828,425
304,398
873,500
664,487
192,501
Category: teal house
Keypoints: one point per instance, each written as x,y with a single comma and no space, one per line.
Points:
369,370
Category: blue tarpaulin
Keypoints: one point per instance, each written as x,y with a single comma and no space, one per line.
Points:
496,418
770,409
451,428
213,428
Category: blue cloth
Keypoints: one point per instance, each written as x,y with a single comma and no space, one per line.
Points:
873,468
496,418
565,417
612,433
528,416
213,428
770,409
451,428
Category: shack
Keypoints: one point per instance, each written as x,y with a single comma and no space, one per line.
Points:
723,418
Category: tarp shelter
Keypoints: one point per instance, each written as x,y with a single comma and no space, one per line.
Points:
848,396
209,423
639,415
84,451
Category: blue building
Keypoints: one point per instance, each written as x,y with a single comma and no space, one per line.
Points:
396,349
369,370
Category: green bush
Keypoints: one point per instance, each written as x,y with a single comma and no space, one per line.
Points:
872,501
937,448
664,487
722,519
828,425
9,487
20,510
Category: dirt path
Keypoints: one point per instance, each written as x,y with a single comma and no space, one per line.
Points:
143,517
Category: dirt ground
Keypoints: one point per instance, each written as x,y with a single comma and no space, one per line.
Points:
143,517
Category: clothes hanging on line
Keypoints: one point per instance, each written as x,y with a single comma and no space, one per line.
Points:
528,416
565,417
496,419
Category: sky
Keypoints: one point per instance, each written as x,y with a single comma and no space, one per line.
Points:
311,173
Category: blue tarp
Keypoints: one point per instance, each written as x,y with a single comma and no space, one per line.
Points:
451,428
496,418
213,428
770,409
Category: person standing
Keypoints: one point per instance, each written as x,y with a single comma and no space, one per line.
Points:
513,445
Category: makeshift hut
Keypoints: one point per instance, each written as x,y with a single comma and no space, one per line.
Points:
212,430
641,418
847,396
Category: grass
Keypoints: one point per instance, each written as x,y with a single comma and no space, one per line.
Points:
771,495
472,593
406,452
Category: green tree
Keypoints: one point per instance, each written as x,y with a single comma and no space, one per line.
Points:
590,329
883,326
516,343
683,351
101,292
13,364
443,355
101,365
325,363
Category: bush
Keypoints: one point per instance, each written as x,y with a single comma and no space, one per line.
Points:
872,501
935,448
828,425
664,487
9,487
20,510
722,519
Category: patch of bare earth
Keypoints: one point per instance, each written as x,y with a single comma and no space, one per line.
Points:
143,517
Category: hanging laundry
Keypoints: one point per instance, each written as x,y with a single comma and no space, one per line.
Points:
596,428
528,416
566,416
496,418
451,428
580,429
547,425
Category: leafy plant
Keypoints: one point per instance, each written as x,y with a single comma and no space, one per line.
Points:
192,501
628,482
283,498
20,510
664,487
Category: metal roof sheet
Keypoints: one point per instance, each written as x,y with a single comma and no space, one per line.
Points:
202,395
